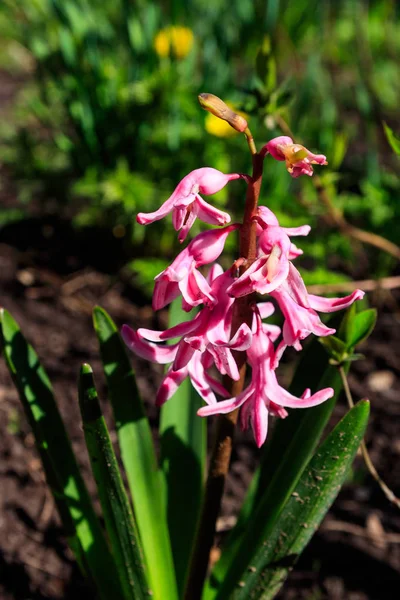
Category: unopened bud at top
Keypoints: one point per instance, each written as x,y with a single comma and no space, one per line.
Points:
217,107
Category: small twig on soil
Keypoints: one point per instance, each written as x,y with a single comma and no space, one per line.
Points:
342,526
368,285
367,459
30,561
46,510
336,217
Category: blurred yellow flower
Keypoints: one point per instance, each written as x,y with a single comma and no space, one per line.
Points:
174,40
221,128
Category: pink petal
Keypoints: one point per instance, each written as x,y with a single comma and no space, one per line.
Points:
164,291
209,214
190,219
259,420
177,331
195,289
266,309
273,146
183,355
226,406
170,383
216,386
206,247
215,271
147,350
327,305
302,230
267,217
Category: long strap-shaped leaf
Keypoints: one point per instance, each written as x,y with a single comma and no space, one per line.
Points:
319,485
287,452
183,454
138,456
63,476
118,516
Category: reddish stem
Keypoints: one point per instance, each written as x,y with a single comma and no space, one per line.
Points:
225,426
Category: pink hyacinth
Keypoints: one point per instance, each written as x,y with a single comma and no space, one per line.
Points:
271,267
263,395
300,309
298,159
208,343
209,331
186,204
182,276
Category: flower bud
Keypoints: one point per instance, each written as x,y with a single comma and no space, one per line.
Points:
217,107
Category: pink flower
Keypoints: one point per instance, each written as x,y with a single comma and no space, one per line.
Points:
209,331
298,159
271,268
195,368
263,395
299,309
186,203
182,277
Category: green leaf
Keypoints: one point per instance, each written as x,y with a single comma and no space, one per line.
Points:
393,140
266,66
79,520
335,347
361,327
317,489
183,455
285,455
120,526
138,456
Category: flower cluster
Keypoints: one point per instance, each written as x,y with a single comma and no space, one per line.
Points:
208,341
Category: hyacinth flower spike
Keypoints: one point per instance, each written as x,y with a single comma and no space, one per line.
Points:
298,159
263,395
186,204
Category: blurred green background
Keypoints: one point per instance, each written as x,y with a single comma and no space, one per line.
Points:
106,122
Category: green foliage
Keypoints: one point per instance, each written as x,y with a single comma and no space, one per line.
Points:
183,459
108,126
283,467
393,140
62,472
138,456
318,486
356,327
291,491
120,525
283,460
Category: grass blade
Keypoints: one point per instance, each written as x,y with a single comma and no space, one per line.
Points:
138,457
117,514
63,476
314,494
183,455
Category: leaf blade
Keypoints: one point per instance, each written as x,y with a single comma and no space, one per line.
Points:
138,456
283,460
62,472
183,454
120,525
305,509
